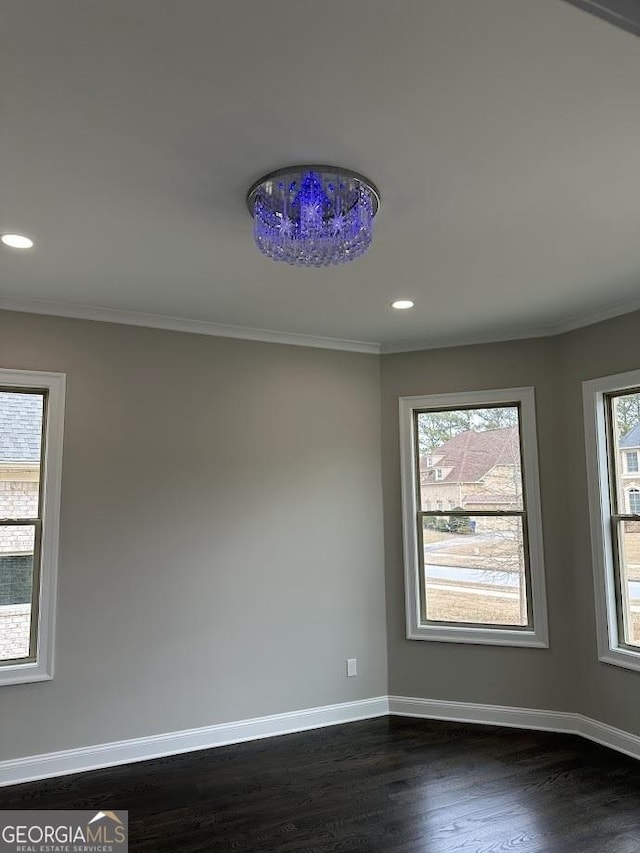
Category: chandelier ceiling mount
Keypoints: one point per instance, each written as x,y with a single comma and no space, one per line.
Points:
313,215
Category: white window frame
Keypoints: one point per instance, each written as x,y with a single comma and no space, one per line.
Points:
41,669
417,629
611,648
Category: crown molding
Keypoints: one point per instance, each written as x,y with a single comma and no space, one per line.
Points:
597,315
464,340
621,13
221,330
183,324
550,330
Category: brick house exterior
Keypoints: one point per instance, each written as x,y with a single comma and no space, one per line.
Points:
629,468
474,470
20,442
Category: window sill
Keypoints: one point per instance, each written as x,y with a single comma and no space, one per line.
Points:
621,657
24,673
479,636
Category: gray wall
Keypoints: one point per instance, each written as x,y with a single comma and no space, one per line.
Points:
533,678
221,541
568,676
607,693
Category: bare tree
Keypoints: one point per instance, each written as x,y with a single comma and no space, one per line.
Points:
505,551
627,413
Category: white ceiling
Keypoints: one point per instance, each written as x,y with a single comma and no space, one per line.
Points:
504,137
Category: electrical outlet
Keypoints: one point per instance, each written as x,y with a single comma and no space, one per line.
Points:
351,667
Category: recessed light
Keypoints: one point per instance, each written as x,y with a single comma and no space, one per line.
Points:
17,241
402,304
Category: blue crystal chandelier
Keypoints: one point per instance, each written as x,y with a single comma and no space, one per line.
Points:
313,216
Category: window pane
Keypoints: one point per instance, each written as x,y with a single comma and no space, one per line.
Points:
20,449
470,459
625,411
474,570
16,589
630,577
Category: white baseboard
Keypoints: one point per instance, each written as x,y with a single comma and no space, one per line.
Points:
85,758
79,760
521,718
616,739
493,715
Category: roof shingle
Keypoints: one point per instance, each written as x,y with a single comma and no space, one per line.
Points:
470,455
632,438
20,426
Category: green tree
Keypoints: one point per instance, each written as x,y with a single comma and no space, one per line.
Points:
434,428
627,411
497,417
460,523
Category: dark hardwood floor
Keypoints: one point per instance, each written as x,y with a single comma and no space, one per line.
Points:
390,785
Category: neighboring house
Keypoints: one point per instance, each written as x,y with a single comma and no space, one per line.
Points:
20,438
629,479
473,471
